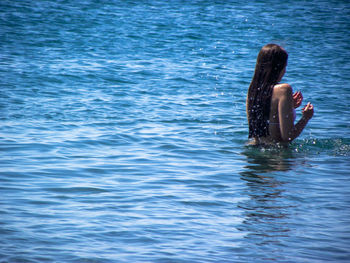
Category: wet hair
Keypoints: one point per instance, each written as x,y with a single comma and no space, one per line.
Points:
271,61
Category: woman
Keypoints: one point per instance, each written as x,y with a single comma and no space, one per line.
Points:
270,105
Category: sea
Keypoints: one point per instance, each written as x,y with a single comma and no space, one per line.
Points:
123,132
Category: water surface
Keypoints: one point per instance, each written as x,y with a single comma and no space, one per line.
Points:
123,133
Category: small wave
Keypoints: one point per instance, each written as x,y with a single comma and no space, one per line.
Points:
334,147
77,190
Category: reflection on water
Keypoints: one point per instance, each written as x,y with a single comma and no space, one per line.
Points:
266,210
265,160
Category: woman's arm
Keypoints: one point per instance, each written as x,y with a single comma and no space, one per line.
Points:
288,130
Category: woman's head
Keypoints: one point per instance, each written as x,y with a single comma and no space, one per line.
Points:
269,69
270,64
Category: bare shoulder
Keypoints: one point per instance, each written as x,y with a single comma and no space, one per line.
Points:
284,87
282,90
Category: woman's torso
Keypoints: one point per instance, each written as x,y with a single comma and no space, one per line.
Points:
274,123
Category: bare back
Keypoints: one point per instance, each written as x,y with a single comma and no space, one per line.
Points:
281,120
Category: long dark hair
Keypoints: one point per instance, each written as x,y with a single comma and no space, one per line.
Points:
271,61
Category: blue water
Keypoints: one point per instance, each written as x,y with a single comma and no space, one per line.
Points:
123,133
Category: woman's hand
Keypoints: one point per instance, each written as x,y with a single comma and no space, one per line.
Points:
308,111
297,99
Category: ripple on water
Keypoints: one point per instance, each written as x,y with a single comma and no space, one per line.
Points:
123,133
